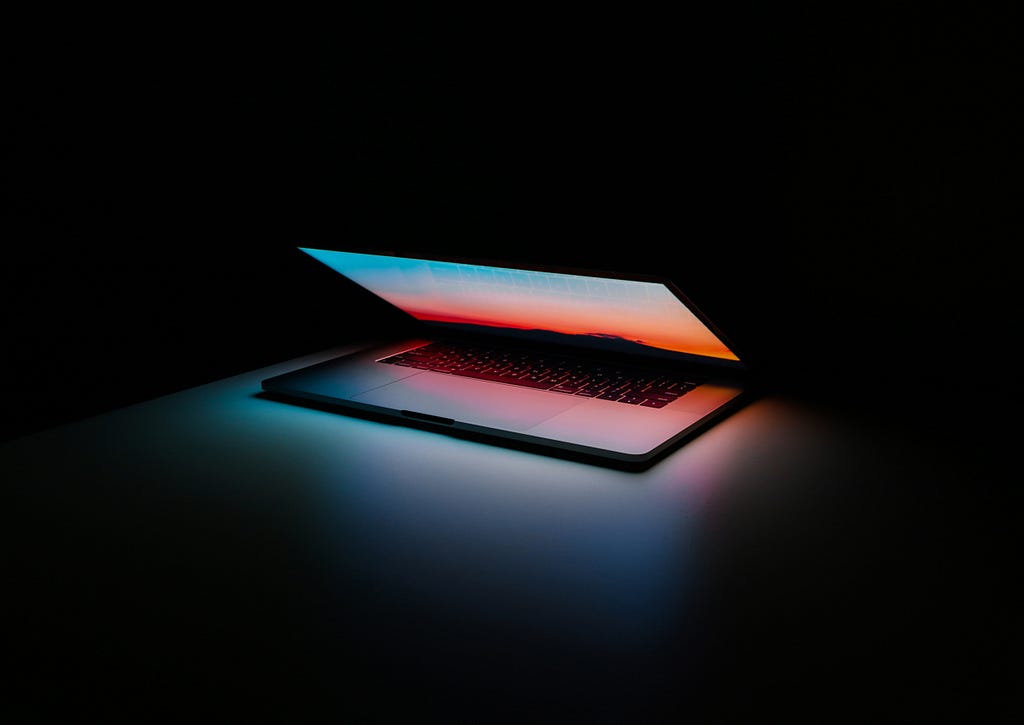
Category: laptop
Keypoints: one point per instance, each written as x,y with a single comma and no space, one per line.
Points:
609,368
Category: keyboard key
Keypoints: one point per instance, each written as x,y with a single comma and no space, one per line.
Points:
663,397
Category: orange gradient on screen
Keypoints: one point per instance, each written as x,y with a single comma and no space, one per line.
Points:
625,311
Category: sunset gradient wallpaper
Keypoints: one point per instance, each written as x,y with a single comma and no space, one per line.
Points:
617,310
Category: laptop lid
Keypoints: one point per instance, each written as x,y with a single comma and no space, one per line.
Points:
641,317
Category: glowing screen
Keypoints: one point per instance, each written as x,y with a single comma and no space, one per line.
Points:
612,313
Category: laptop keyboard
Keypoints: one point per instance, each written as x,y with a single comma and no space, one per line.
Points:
633,386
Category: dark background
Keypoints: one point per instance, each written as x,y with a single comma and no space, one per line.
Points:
834,189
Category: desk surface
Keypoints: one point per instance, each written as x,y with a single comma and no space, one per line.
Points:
213,551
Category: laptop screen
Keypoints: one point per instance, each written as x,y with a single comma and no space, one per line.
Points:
621,315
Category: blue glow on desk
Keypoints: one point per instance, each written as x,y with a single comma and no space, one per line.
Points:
463,531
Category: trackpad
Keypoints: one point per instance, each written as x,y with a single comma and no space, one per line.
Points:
478,402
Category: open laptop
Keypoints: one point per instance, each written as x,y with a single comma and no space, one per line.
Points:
614,369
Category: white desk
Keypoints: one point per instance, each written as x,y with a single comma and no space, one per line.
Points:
215,549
